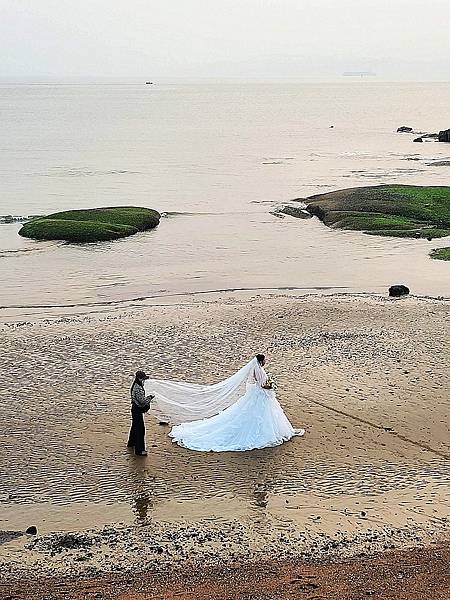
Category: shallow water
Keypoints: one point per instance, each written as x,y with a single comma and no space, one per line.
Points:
219,158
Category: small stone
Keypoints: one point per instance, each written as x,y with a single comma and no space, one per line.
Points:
32,530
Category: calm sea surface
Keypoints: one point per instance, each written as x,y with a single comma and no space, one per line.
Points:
218,158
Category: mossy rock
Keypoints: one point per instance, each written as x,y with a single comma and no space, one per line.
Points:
426,233
441,254
91,225
370,221
75,231
396,210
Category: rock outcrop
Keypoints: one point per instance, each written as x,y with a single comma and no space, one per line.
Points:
423,135
388,210
294,211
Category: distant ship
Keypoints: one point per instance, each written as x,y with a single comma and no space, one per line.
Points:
359,74
149,83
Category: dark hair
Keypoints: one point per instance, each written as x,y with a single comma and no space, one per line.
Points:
260,358
141,375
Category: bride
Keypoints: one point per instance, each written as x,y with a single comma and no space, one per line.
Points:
239,413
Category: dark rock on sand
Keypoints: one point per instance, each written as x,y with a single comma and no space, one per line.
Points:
418,139
32,530
398,290
404,129
444,136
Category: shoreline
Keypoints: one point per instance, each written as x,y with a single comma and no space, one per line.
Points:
299,255
114,307
163,546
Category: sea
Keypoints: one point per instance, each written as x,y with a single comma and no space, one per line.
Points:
217,159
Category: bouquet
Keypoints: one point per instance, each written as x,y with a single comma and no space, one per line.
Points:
270,382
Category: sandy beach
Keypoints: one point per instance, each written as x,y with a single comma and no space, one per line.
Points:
249,194
366,376
410,574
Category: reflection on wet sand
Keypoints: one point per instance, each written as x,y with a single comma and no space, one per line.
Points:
142,503
141,497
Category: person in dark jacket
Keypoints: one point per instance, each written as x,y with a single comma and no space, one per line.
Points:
140,403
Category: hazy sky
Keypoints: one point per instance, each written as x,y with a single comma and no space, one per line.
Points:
224,38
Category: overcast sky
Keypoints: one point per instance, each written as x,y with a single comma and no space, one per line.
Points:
224,38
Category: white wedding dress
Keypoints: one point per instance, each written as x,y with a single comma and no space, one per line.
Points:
236,414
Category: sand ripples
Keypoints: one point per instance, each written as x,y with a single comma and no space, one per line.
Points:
65,403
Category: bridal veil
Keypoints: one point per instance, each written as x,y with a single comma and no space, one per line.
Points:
178,402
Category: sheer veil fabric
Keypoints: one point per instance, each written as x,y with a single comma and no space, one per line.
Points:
236,414
178,402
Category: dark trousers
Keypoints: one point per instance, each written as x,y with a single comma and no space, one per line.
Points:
137,431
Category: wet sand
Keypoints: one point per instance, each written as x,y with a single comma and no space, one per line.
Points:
367,377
